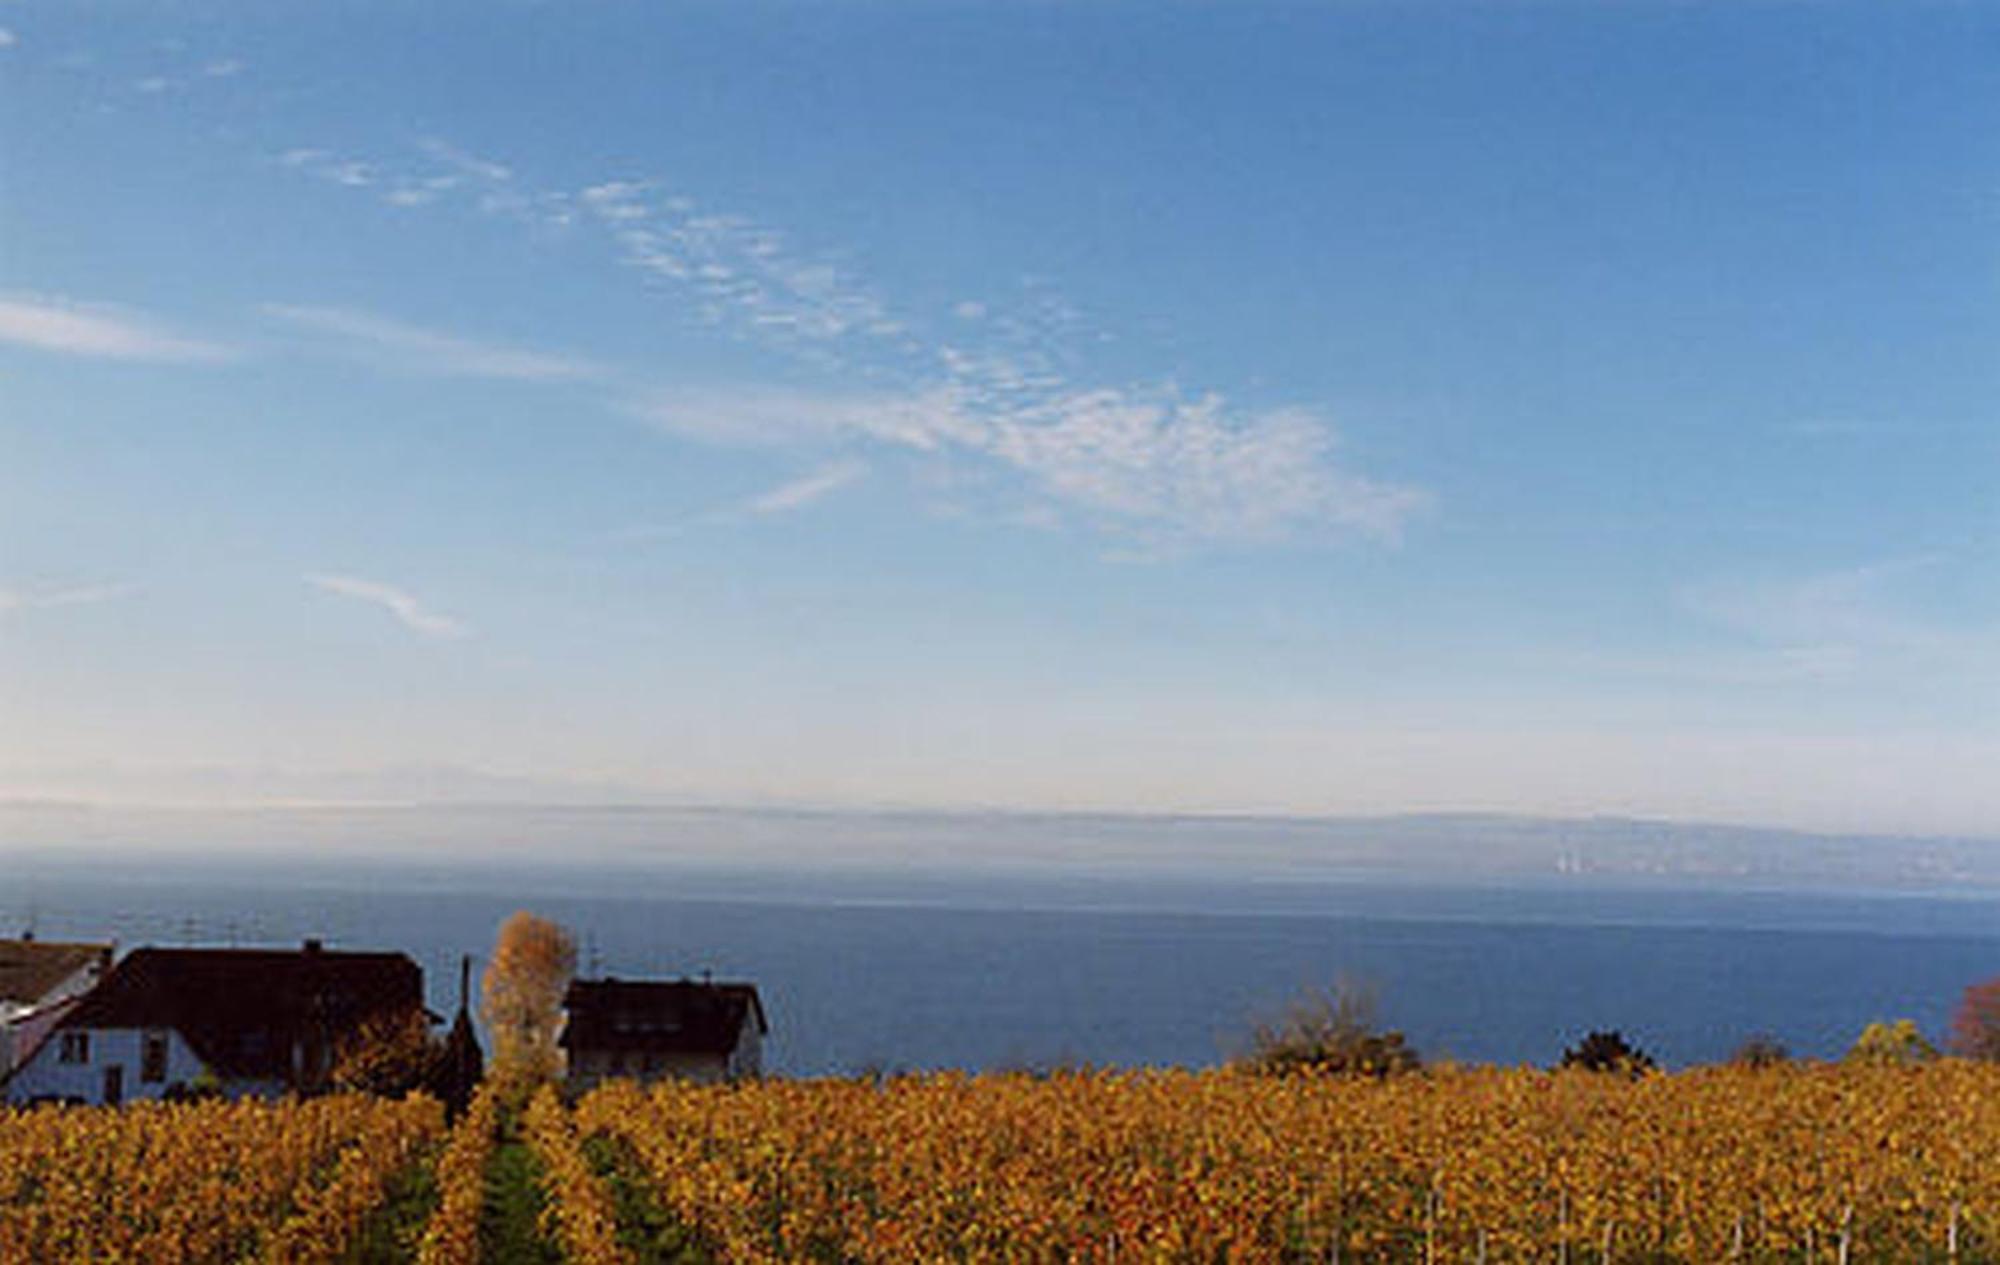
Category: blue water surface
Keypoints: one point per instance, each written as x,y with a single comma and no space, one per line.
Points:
936,970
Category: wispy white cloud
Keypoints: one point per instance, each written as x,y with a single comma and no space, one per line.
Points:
1193,467
786,498
7,38
12,600
748,276
410,612
421,350
98,330
1148,458
803,491
470,164
760,417
183,76
432,173
1010,388
1160,464
325,165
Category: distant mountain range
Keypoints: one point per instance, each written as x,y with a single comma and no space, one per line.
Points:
1472,846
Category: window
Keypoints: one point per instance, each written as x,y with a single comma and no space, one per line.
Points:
75,1047
153,1058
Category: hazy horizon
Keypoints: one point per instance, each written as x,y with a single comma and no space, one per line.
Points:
745,849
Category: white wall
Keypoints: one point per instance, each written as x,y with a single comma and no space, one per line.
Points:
588,1068
748,1057
45,1075
593,1067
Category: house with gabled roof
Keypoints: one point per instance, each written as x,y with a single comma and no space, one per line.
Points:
650,1029
40,980
241,1022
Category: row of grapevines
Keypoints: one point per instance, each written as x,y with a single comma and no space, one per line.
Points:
452,1235
1804,1162
329,1216
579,1206
174,1183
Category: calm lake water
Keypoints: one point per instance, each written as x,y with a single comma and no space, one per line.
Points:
944,971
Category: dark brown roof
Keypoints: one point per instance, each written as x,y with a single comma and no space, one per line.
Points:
243,1010
30,968
659,1016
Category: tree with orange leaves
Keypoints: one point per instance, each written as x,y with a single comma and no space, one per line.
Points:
521,999
1975,1029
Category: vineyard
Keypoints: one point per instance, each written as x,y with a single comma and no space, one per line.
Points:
212,1182
1802,1163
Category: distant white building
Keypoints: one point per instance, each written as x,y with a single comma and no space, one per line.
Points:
650,1029
240,1022
40,981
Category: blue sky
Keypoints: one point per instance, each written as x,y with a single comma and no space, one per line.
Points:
1290,408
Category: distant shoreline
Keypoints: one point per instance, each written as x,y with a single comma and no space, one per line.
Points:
862,845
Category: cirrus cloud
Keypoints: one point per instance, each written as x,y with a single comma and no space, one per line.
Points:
1010,392
422,350
12,600
805,490
408,611
99,331
1156,464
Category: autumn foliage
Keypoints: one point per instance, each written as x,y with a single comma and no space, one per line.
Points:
1975,1029
579,1215
1334,1032
1793,1162
521,1001
1892,1044
391,1054
210,1181
1608,1051
1799,1161
451,1237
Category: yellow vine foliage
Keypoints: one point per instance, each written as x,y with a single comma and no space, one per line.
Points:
1796,1162
329,1215
212,1181
451,1236
579,1209
1807,1162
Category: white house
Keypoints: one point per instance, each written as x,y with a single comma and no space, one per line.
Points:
648,1029
39,982
238,1021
